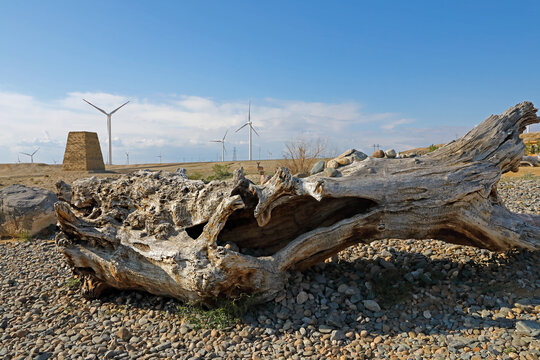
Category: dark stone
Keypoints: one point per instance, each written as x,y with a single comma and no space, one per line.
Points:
318,167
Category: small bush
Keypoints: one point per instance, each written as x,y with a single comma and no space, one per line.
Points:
73,283
196,176
432,147
221,172
23,235
301,154
531,149
225,313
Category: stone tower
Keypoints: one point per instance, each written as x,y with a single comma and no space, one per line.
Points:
83,152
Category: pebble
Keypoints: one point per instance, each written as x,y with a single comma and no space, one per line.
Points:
344,161
333,164
372,305
123,333
390,153
378,154
358,156
331,172
324,329
302,297
318,167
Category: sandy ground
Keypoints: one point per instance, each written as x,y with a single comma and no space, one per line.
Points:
45,176
524,171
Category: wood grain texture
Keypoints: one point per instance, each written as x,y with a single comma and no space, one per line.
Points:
168,235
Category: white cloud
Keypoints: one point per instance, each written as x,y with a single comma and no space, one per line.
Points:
181,126
393,124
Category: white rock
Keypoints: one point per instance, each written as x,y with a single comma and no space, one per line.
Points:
390,153
26,209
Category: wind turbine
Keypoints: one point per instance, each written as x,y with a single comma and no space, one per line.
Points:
31,155
109,162
222,141
127,158
250,129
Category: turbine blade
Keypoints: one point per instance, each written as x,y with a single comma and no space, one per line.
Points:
35,151
25,154
225,134
252,128
89,103
118,108
246,124
215,141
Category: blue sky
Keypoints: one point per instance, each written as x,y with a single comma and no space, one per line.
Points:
400,74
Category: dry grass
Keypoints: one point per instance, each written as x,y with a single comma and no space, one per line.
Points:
524,172
45,176
533,136
301,154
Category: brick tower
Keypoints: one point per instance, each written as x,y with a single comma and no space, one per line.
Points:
83,152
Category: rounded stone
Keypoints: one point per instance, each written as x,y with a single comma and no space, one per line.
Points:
302,297
317,168
378,154
344,161
332,164
331,172
346,153
391,153
372,305
358,156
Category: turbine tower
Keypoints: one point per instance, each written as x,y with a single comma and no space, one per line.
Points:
31,155
250,130
109,162
222,141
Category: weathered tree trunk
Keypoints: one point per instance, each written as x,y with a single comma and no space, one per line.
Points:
171,236
531,161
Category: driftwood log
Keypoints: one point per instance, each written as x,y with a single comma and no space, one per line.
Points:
531,161
165,234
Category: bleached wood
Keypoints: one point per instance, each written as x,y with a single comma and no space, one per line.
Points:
168,235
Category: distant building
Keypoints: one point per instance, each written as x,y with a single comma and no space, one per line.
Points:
83,152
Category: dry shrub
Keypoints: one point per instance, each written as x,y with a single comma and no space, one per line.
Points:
301,154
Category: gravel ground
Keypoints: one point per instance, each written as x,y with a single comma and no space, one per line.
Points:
389,300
